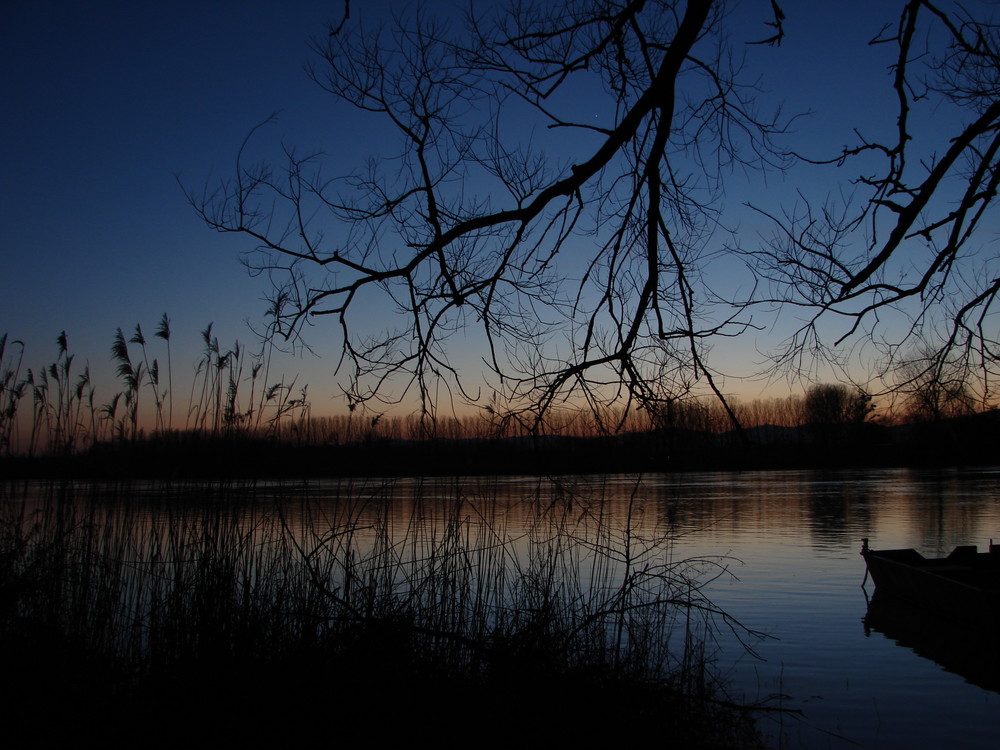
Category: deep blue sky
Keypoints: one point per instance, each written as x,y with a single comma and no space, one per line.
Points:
106,105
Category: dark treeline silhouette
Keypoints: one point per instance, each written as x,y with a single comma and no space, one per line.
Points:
314,452
240,420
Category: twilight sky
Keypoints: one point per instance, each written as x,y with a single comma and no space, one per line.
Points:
108,105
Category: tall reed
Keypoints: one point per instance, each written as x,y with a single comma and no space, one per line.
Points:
228,397
12,390
163,332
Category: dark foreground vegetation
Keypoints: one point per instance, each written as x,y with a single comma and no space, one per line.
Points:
176,613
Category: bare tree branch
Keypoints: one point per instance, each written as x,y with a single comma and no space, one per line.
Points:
911,242
582,276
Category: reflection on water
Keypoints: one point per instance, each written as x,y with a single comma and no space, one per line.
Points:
797,535
790,542
969,649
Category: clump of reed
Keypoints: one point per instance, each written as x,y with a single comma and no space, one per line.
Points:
186,603
61,409
53,410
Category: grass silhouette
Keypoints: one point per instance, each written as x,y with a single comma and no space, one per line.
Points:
180,606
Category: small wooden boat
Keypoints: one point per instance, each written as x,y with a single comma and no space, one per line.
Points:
966,583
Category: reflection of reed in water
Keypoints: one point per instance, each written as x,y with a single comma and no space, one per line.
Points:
216,596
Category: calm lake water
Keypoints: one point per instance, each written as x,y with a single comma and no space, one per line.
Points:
795,539
779,551
789,542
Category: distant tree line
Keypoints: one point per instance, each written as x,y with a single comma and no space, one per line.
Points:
52,410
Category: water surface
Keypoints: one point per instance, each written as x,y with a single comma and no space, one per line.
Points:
778,551
794,539
790,543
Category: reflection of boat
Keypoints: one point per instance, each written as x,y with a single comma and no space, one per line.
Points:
970,649
965,584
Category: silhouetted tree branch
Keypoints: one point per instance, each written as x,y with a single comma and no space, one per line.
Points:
915,243
551,185
934,387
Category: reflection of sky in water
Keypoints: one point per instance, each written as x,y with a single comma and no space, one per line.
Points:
798,536
790,540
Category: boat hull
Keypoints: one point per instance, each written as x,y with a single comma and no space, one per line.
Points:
964,584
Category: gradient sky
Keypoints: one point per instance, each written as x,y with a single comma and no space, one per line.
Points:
108,105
